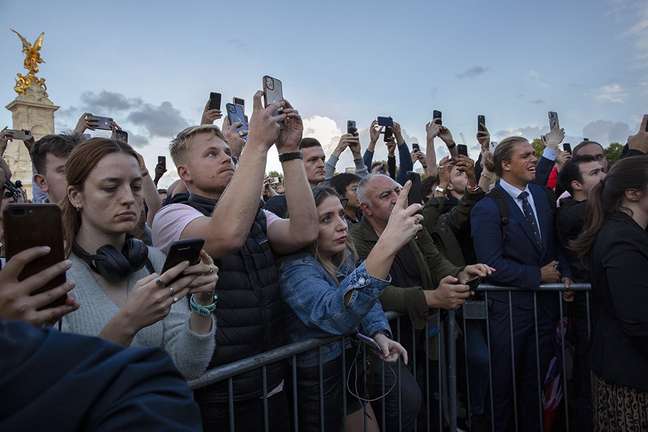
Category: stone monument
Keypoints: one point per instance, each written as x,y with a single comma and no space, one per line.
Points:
32,110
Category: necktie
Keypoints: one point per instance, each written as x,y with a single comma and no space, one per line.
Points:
528,215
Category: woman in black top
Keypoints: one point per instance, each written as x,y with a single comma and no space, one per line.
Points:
616,241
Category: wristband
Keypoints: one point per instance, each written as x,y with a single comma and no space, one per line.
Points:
285,157
202,310
451,146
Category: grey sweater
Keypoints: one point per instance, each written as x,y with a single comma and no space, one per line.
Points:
191,352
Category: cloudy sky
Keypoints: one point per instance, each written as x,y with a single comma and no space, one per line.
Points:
151,65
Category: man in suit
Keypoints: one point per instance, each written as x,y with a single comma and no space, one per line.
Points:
523,248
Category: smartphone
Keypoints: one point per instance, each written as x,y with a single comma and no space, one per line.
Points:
567,147
415,195
272,90
32,225
214,101
385,121
389,134
462,149
437,117
162,161
235,115
121,135
474,283
18,134
351,127
416,147
481,123
553,120
103,123
183,250
238,101
370,343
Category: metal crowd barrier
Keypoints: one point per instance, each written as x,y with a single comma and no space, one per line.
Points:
483,314
440,405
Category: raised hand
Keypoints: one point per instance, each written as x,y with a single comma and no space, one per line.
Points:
639,141
398,133
446,136
483,138
265,122
233,137
553,138
375,131
210,116
292,131
404,221
432,130
467,165
85,122
17,298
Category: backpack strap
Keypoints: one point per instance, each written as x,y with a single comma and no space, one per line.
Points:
500,199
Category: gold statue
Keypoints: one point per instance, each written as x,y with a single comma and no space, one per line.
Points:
32,60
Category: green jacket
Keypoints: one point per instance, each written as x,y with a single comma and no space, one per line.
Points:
430,262
443,227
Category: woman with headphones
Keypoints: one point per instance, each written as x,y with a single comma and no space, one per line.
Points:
121,294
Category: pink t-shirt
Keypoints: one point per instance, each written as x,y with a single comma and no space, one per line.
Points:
172,219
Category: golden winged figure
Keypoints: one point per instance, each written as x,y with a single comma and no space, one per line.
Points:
32,60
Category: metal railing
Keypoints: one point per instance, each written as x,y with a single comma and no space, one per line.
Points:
440,398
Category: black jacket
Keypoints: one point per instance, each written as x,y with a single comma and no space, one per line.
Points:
250,312
570,222
620,303
65,382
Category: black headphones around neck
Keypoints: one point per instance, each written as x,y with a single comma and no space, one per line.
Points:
113,265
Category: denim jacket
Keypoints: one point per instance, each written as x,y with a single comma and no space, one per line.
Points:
319,303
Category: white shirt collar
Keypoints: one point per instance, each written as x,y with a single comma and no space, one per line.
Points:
513,191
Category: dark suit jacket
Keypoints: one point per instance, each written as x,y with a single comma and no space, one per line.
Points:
516,258
620,303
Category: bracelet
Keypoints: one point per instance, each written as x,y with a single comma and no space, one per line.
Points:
202,310
454,144
285,157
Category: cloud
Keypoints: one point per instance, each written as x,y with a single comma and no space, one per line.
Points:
137,140
472,72
324,129
606,132
535,76
538,101
631,17
528,132
97,103
610,93
159,121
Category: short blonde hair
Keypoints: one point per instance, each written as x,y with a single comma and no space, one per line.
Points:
180,144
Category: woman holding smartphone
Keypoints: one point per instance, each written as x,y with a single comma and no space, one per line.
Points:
331,296
616,241
122,297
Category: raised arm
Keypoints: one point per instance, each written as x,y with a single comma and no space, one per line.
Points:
404,156
228,227
290,235
432,130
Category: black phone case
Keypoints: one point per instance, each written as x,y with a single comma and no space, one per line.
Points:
183,250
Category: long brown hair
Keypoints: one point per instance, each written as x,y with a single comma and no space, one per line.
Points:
331,265
606,198
83,159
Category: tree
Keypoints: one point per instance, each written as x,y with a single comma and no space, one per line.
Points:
538,146
276,174
613,152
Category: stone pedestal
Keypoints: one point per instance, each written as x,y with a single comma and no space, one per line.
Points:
34,111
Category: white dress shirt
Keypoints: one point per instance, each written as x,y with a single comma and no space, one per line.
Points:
514,192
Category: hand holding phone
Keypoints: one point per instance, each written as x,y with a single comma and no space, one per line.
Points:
462,150
99,122
183,250
554,124
235,115
385,121
17,134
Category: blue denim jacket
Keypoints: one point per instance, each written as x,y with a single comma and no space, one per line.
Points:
318,302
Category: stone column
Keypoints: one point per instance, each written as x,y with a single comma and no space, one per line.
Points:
34,111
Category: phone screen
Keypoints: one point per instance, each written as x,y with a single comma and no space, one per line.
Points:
239,101
567,147
235,115
103,123
214,101
416,147
553,120
389,134
462,149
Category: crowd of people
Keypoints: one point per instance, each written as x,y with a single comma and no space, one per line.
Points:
317,253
